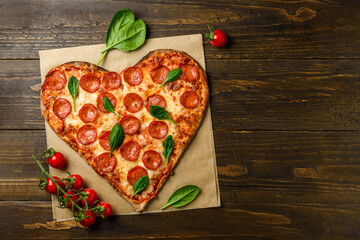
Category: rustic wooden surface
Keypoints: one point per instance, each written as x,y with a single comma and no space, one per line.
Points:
285,105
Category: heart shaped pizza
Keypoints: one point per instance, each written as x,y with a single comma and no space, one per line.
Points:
158,117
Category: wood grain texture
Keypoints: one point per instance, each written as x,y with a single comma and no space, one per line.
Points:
257,29
244,94
258,221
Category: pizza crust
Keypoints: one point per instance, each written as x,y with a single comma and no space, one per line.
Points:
164,56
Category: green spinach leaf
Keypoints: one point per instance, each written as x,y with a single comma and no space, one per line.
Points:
124,33
73,87
168,145
182,196
172,76
140,185
120,19
160,113
116,137
131,36
108,106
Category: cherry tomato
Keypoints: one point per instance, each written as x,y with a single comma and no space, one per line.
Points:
51,187
91,197
89,220
78,183
217,37
57,161
107,209
74,198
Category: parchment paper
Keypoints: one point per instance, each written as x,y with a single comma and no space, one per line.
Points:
197,166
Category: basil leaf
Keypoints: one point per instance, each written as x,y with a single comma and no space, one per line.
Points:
124,33
140,185
73,87
168,145
116,137
160,113
182,196
172,76
108,106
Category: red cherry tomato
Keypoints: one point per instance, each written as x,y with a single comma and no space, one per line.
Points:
57,161
89,219
74,198
91,197
217,37
51,187
107,209
78,183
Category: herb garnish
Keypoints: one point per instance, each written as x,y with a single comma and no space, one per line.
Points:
124,32
160,113
140,185
116,137
168,145
182,196
73,87
172,76
108,106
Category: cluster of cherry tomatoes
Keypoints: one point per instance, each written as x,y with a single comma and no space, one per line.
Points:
78,185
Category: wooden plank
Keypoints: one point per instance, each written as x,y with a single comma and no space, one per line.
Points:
22,189
255,94
254,167
284,94
17,147
257,29
244,221
19,98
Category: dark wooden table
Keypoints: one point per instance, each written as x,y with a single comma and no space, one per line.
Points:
285,96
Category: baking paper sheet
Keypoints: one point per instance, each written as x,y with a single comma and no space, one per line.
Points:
197,166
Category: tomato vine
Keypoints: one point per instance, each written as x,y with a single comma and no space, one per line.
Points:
77,198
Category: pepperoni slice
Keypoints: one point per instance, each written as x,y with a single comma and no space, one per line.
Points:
55,80
133,76
104,141
158,129
158,74
130,150
88,113
152,160
62,108
189,73
133,102
130,124
155,99
99,101
136,173
111,80
90,83
105,163
190,99
86,134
